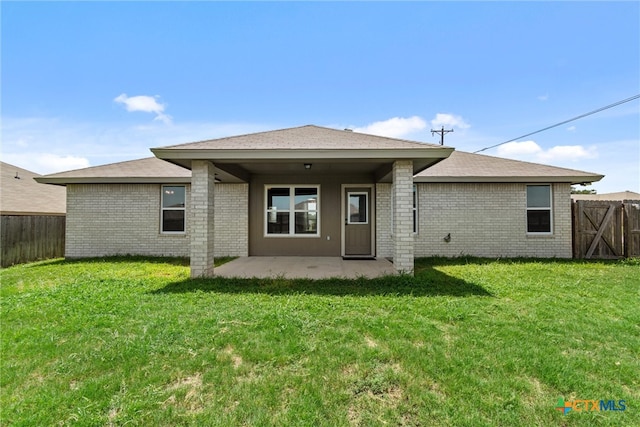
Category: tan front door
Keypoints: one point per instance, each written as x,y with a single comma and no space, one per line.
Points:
358,221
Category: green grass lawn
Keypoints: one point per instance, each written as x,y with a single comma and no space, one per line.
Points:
467,342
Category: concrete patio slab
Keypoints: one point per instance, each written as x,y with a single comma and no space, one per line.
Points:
304,268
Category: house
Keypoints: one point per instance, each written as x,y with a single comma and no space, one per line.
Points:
32,217
318,192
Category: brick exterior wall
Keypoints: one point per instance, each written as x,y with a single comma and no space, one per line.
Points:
483,219
384,237
120,219
488,220
231,220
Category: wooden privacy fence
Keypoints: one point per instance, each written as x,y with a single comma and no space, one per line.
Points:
606,229
25,238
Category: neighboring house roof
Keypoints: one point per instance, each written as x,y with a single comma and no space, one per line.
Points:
148,170
21,195
286,150
468,167
619,196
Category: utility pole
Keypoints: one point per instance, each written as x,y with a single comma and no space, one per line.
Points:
442,132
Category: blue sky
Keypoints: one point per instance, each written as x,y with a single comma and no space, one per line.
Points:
89,83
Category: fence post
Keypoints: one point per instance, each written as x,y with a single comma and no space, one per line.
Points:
631,226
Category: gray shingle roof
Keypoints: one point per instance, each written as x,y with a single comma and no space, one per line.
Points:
24,196
459,167
302,138
467,167
150,170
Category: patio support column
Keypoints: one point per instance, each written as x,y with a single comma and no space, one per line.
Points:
402,201
201,219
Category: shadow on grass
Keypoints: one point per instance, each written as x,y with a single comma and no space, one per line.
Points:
427,282
179,261
437,261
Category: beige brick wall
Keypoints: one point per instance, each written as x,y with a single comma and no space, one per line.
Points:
118,219
384,238
232,220
488,220
483,219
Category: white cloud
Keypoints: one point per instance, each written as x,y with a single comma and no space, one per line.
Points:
396,127
531,151
45,163
144,103
571,128
47,145
449,120
568,152
543,97
519,149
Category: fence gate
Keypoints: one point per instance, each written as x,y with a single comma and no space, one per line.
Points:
606,229
598,229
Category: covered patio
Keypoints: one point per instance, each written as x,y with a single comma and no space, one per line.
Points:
306,191
294,267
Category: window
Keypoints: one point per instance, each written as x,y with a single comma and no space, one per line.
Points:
358,207
539,218
292,210
173,209
414,209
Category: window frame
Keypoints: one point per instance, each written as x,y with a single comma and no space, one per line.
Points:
538,208
292,211
366,198
414,210
182,208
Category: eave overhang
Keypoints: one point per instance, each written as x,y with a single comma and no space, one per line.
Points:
509,179
112,180
238,164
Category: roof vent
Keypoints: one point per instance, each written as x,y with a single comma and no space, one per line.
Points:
348,130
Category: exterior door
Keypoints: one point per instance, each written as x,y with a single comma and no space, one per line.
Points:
357,222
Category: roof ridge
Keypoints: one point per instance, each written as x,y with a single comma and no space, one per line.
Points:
384,137
232,137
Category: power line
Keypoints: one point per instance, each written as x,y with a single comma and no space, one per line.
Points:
615,104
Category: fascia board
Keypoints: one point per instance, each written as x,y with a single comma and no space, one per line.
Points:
111,180
287,154
507,179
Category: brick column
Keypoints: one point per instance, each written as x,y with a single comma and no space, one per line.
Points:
403,216
201,218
